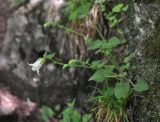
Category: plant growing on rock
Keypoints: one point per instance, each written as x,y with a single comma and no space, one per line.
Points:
111,99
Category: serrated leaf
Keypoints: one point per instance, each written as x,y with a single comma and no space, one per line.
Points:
98,76
97,64
95,45
102,74
141,86
46,113
121,90
117,8
112,42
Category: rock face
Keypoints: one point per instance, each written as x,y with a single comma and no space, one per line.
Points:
25,41
10,104
143,30
5,6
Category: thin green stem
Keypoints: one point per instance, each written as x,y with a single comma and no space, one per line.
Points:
111,57
62,64
70,30
56,62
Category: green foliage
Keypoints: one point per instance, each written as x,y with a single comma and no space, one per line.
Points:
141,86
86,117
103,44
49,56
128,58
77,9
49,24
15,3
46,113
97,64
126,61
121,90
118,8
102,74
117,85
112,42
113,15
109,107
95,44
71,114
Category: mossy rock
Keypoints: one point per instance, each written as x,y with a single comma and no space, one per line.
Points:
149,107
149,1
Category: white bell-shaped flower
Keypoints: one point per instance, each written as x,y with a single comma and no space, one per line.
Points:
37,65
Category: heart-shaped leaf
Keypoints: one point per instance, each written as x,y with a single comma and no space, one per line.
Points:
141,86
121,90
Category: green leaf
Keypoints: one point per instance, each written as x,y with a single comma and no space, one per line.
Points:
108,52
73,15
125,66
50,56
46,113
125,8
95,45
72,63
141,86
98,76
65,66
86,117
66,117
97,64
76,116
84,9
111,18
108,92
128,58
117,8
66,114
121,90
102,74
112,42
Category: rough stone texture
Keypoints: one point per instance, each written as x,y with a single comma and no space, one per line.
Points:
149,107
142,30
4,13
25,41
